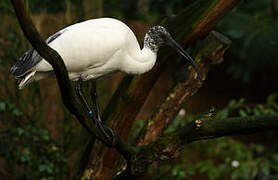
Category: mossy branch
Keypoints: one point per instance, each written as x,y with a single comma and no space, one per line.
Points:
208,128
170,145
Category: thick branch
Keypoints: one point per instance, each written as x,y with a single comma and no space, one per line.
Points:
211,52
169,145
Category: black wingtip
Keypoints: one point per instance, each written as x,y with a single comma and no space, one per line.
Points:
13,69
15,72
24,64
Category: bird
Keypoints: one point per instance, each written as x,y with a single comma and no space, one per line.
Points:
96,48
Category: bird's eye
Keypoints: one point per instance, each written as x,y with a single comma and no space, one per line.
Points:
163,36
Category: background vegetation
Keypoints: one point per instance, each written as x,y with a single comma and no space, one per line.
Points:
39,139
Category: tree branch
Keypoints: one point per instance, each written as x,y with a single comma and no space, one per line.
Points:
169,145
211,52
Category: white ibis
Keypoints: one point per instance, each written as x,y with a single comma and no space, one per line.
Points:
96,48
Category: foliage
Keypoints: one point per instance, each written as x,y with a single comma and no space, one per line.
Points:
253,29
28,150
241,108
32,150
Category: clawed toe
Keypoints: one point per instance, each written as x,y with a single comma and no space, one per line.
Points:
107,132
112,138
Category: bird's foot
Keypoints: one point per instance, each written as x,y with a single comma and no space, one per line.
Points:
107,132
111,135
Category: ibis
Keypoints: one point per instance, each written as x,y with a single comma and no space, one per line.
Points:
93,49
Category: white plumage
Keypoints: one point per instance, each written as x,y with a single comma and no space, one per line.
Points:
95,48
100,46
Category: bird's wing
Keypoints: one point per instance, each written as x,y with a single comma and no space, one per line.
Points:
31,58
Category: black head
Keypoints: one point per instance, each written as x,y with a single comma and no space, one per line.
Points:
158,36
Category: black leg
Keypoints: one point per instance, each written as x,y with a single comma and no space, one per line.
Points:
78,89
94,99
98,123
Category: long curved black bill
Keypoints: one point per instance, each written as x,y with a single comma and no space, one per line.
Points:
185,54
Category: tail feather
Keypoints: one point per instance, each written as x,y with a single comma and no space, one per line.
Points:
27,79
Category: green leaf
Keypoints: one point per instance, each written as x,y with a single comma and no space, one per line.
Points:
16,112
213,173
272,98
3,106
19,131
242,113
42,168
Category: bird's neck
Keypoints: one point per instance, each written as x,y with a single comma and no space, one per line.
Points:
140,61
